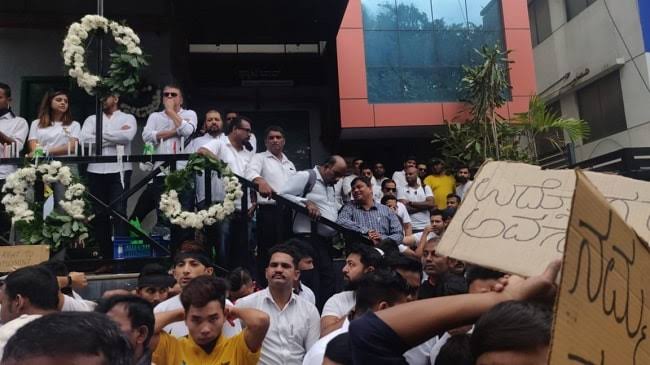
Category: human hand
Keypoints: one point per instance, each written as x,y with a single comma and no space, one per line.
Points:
169,104
540,287
79,280
264,188
231,313
125,127
312,209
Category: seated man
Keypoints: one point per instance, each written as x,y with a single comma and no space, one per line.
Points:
241,284
69,338
360,259
382,337
306,266
440,281
204,311
28,294
365,216
134,316
294,321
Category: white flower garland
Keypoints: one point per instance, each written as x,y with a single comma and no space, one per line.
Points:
144,111
17,183
73,50
171,207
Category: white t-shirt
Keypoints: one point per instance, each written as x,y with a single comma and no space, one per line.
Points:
307,294
9,329
55,135
113,135
77,304
179,329
420,219
340,304
316,353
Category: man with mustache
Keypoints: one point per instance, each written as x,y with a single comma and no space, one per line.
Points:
294,321
463,181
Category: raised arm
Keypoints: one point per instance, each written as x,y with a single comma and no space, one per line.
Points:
256,322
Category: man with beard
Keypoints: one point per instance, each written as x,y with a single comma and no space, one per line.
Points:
205,313
108,181
294,321
270,170
360,260
187,266
367,217
463,182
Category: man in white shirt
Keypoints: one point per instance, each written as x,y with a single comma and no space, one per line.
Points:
463,182
389,188
164,130
270,170
234,250
377,290
315,189
379,172
361,259
13,130
294,321
28,294
417,198
107,181
187,266
400,176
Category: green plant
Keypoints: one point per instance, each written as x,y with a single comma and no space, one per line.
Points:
180,180
539,121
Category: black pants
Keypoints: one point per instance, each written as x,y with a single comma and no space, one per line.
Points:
273,227
149,199
5,219
324,283
108,187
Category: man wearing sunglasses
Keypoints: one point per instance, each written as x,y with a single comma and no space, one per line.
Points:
389,188
164,130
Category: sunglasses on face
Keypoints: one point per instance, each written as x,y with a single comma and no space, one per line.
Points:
170,95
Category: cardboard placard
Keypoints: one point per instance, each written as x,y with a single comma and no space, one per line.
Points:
515,215
602,311
22,255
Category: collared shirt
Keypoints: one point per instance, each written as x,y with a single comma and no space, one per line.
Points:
16,128
179,329
176,351
55,135
323,195
293,330
276,171
218,191
236,159
420,219
340,304
316,353
160,121
306,293
379,218
113,135
400,179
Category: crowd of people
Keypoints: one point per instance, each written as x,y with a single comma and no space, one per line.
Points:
273,299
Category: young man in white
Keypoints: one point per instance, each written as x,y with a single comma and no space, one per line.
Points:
417,198
13,130
187,266
107,181
360,260
294,321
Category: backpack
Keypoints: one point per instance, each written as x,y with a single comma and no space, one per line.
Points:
311,181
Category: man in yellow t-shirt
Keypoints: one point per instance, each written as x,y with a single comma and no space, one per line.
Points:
440,183
204,313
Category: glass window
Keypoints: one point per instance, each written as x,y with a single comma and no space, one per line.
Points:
414,15
601,105
539,17
575,7
418,47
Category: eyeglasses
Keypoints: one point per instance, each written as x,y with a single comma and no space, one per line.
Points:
170,95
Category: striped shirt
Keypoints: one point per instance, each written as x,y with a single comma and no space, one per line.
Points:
379,218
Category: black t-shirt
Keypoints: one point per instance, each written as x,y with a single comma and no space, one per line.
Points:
373,342
447,284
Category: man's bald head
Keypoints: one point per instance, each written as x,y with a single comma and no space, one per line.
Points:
333,169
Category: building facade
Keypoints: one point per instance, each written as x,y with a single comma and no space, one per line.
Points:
591,62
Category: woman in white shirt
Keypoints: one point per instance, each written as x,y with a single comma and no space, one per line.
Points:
54,130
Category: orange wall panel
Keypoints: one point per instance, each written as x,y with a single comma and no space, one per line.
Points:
356,113
352,64
390,115
352,17
522,71
515,14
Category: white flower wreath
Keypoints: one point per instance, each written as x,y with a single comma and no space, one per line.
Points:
73,49
21,180
144,111
171,206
